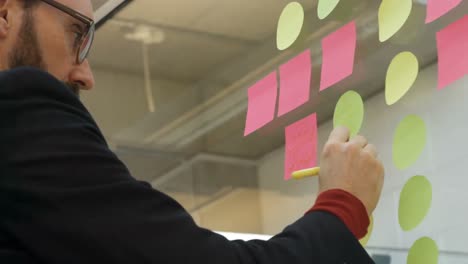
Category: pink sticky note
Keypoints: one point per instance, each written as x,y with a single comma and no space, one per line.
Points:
295,78
339,49
452,46
438,8
301,146
262,103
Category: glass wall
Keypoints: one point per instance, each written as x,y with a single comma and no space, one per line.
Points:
172,96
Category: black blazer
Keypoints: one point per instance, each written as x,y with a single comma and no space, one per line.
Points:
66,198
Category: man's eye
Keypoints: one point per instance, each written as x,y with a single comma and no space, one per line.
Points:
76,39
78,35
77,32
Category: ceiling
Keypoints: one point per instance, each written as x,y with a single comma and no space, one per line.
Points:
216,49
199,35
98,3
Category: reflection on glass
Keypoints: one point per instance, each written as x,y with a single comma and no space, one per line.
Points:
171,99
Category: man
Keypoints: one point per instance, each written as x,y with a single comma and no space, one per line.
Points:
66,198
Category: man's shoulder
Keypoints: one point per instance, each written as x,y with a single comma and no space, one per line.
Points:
25,74
24,81
32,100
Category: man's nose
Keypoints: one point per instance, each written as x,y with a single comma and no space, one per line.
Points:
82,76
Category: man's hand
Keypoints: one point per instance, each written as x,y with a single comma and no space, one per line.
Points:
352,166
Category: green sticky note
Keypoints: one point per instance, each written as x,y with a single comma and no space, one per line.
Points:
349,112
365,239
409,141
289,25
423,251
415,202
401,75
393,14
325,7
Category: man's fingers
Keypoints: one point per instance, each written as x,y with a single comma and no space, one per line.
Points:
371,149
340,134
359,140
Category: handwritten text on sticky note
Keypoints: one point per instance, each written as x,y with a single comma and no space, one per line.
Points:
452,43
438,8
301,146
295,78
262,103
338,55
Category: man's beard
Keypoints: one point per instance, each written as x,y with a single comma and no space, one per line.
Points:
27,52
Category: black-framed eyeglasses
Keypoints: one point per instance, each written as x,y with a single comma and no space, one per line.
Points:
87,37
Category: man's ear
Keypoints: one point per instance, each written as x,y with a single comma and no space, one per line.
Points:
4,23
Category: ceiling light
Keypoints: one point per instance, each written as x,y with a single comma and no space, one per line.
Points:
145,34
